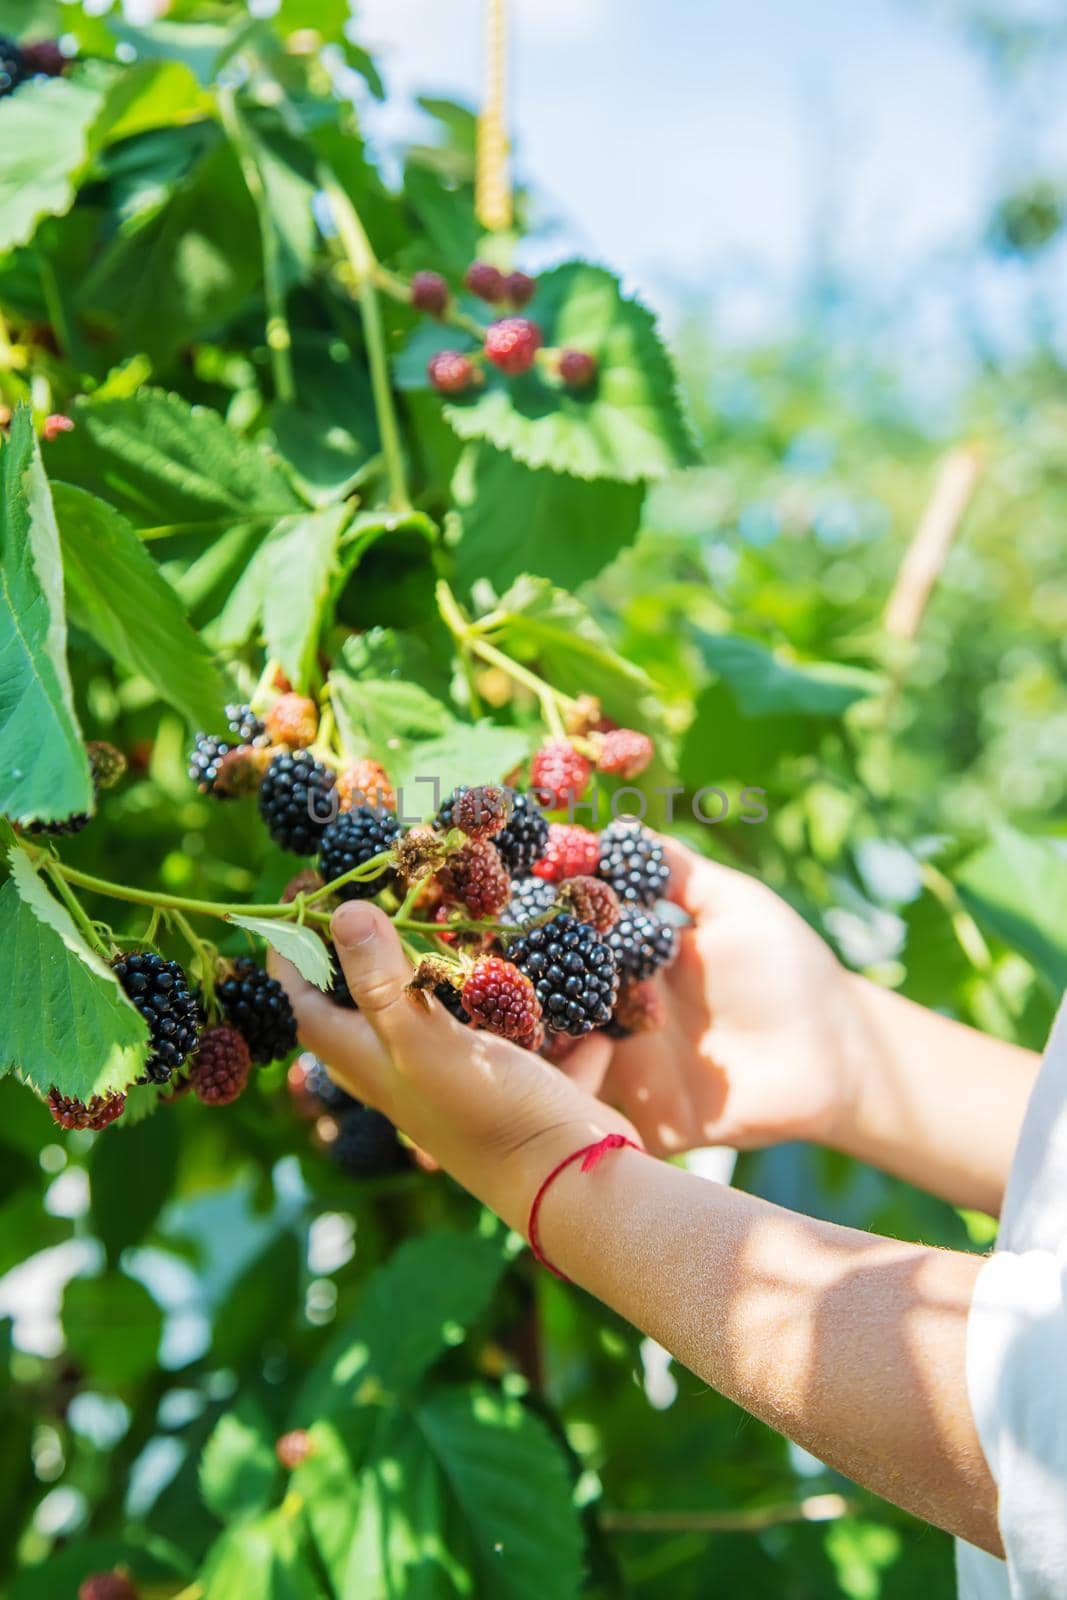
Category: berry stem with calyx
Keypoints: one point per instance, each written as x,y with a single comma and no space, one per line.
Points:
279,339
158,900
364,264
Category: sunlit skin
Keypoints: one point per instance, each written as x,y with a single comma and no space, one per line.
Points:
851,1345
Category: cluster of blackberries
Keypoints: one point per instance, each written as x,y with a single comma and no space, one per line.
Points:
106,766
256,1026
511,344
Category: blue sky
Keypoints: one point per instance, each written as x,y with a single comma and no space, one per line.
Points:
702,146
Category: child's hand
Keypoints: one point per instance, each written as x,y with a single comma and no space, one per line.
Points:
763,1028
496,1117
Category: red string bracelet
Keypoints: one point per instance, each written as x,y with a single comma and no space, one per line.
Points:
590,1155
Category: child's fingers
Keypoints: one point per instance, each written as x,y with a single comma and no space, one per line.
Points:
342,1039
377,972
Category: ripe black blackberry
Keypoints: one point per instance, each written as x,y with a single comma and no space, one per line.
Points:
573,973
204,761
632,861
351,840
55,830
530,898
296,801
12,65
642,943
339,992
330,1095
257,1006
245,726
160,991
366,1145
452,1001
525,838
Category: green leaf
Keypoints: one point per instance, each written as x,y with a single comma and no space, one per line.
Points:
112,1327
166,464
414,1308
66,1022
44,141
260,1304
44,771
139,1159
628,425
300,564
429,769
302,946
378,716
262,1560
146,95
238,1466
119,596
1015,889
435,1501
566,529
762,709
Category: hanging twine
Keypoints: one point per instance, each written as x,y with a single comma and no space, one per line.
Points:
492,192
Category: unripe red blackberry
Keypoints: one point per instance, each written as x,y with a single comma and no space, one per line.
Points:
55,424
429,293
452,372
482,812
577,369
107,1586
365,783
241,772
638,1009
512,344
501,998
44,56
293,1448
485,280
293,720
72,1113
592,901
307,881
570,852
624,753
477,878
219,1070
519,288
558,774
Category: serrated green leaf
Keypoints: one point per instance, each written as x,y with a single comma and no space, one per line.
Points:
138,1159
421,1302
300,565
563,528
765,686
66,1022
95,1312
301,946
1014,888
238,1466
149,94
166,464
628,425
427,770
260,1303
434,1501
44,771
119,596
44,141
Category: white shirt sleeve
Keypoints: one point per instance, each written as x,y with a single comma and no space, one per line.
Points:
1017,1381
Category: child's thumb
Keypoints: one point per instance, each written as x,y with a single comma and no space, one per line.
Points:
374,963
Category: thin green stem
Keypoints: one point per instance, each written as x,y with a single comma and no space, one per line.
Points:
373,867
364,264
398,289
66,336
173,902
76,909
279,338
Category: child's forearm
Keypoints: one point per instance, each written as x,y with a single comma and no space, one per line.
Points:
936,1102
851,1345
